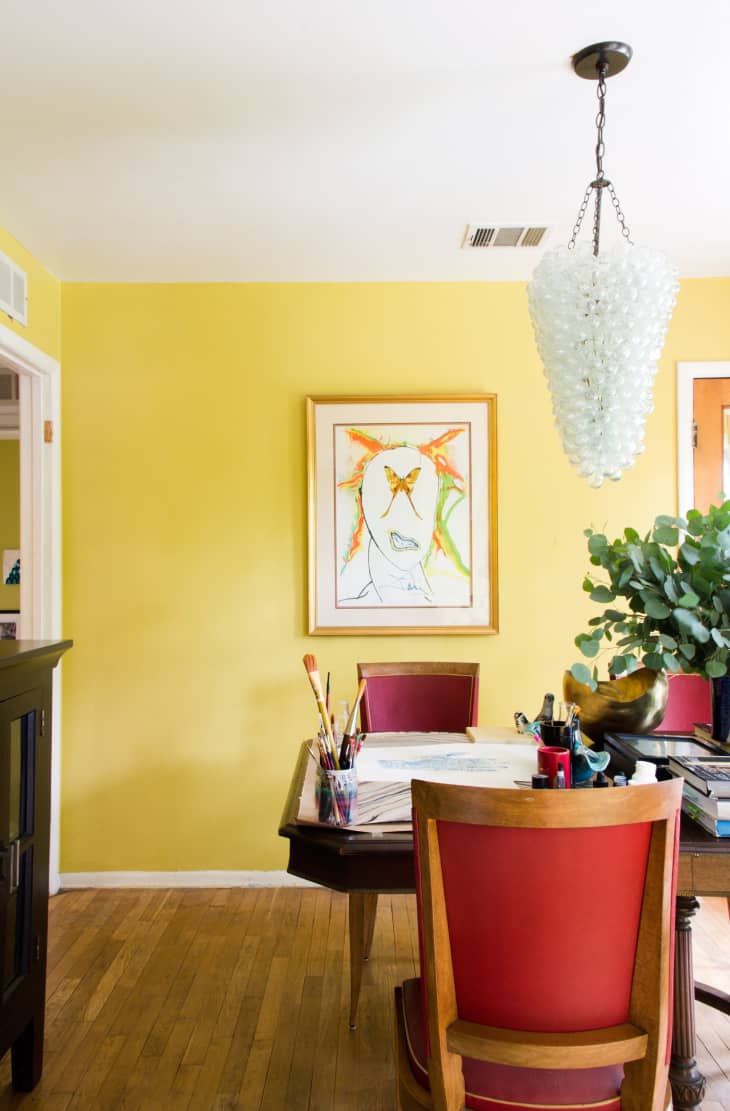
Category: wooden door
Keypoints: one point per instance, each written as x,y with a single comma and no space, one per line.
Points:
711,410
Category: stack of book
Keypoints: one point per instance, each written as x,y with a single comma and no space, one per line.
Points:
706,796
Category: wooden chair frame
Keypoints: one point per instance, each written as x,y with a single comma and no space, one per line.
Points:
641,1044
420,667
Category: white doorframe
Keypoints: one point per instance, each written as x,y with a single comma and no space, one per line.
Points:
40,526
686,374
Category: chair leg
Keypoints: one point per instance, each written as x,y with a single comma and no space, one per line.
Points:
410,1096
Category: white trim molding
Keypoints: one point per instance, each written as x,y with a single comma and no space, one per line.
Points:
686,375
75,880
40,525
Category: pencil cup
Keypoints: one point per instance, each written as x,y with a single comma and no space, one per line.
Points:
551,733
336,794
550,758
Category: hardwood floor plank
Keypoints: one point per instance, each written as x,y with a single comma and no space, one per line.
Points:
215,1000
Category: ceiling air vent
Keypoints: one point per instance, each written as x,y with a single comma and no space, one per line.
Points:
478,235
13,290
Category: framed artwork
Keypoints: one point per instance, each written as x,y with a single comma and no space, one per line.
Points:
9,622
11,566
402,514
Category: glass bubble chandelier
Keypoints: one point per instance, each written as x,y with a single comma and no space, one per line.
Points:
600,318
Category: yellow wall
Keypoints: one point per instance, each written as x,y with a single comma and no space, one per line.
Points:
44,299
9,515
185,579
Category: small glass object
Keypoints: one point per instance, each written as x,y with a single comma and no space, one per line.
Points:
336,796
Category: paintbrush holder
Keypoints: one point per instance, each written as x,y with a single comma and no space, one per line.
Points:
336,796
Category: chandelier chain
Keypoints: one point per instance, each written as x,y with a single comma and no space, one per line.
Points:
601,181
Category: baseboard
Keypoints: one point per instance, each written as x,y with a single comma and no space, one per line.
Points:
74,880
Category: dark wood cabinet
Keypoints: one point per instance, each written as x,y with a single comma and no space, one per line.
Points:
26,669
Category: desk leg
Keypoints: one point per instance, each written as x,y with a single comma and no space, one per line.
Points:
361,915
688,1083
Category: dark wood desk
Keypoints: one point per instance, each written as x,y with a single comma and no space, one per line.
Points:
364,865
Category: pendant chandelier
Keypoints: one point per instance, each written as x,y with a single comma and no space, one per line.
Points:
600,318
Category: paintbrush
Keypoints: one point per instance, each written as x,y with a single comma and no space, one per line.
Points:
353,713
349,734
310,664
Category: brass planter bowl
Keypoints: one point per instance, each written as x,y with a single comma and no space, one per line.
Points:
635,703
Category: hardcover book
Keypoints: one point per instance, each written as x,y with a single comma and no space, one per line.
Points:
709,774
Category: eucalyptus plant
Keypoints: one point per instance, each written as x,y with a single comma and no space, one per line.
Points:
668,597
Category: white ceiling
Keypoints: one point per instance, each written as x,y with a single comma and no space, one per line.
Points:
294,140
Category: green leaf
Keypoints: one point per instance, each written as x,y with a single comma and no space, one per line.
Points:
587,585
670,522
582,674
632,535
597,543
671,663
656,566
667,642
668,535
689,554
602,594
656,608
654,660
618,665
688,650
624,576
689,600
589,647
692,625
719,639
716,668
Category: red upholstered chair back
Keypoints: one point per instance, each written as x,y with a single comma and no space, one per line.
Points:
419,697
536,908
689,701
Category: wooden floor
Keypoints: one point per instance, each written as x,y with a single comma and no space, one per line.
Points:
238,998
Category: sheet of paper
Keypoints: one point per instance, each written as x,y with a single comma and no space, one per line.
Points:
492,765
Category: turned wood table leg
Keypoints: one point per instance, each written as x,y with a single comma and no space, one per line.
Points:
361,915
688,1083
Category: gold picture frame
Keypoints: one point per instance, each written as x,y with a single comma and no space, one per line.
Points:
402,514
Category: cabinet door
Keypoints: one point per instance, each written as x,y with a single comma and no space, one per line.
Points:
19,725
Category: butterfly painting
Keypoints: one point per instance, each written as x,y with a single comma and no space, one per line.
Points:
402,514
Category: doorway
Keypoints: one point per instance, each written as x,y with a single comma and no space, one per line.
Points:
39,380
703,396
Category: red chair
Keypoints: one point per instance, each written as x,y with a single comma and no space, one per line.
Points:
546,937
419,697
689,701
